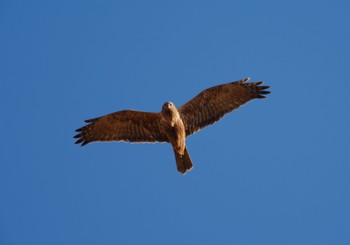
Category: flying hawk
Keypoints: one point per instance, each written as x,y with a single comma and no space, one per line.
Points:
171,124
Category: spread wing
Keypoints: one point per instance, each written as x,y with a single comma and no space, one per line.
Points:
128,125
213,103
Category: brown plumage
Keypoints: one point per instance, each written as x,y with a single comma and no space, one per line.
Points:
172,125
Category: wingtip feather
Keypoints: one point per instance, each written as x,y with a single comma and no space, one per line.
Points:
82,142
91,120
77,136
78,141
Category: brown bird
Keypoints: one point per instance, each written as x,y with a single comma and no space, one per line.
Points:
171,124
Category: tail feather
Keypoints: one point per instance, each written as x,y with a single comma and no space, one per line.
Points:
183,162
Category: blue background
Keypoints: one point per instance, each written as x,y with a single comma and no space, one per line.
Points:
276,171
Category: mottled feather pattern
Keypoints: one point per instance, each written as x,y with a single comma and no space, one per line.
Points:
213,103
130,126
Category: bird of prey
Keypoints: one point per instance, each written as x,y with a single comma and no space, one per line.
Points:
171,124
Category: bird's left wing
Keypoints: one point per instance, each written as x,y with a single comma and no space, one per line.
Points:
128,125
213,103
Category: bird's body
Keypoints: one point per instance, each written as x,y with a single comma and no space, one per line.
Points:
176,135
171,124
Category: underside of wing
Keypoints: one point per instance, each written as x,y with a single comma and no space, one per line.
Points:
213,103
128,125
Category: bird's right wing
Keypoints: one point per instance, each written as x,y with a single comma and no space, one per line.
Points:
213,103
128,125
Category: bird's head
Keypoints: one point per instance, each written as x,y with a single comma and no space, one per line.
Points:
168,106
170,112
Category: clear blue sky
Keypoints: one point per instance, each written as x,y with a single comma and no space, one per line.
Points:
276,171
